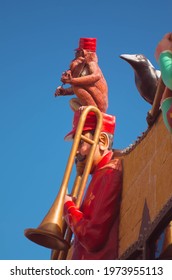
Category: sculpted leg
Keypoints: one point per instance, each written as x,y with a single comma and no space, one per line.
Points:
85,98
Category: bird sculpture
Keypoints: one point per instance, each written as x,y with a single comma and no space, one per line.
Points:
146,76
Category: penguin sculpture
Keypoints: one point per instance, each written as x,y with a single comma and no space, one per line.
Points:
146,76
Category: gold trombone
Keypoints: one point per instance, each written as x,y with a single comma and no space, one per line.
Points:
53,232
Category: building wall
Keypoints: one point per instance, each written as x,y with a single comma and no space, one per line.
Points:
147,178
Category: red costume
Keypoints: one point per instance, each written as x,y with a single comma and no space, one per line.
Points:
95,224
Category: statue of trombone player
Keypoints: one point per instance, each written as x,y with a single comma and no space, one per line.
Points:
95,223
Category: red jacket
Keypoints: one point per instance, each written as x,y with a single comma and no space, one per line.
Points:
95,224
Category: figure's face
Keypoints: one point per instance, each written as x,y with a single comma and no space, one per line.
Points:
79,53
84,148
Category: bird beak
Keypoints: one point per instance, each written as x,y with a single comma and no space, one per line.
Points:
130,58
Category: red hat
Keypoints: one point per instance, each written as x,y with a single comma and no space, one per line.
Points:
87,44
108,125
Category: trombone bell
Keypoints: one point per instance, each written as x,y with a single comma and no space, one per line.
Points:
49,236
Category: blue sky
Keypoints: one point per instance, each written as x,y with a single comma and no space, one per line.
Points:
38,39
